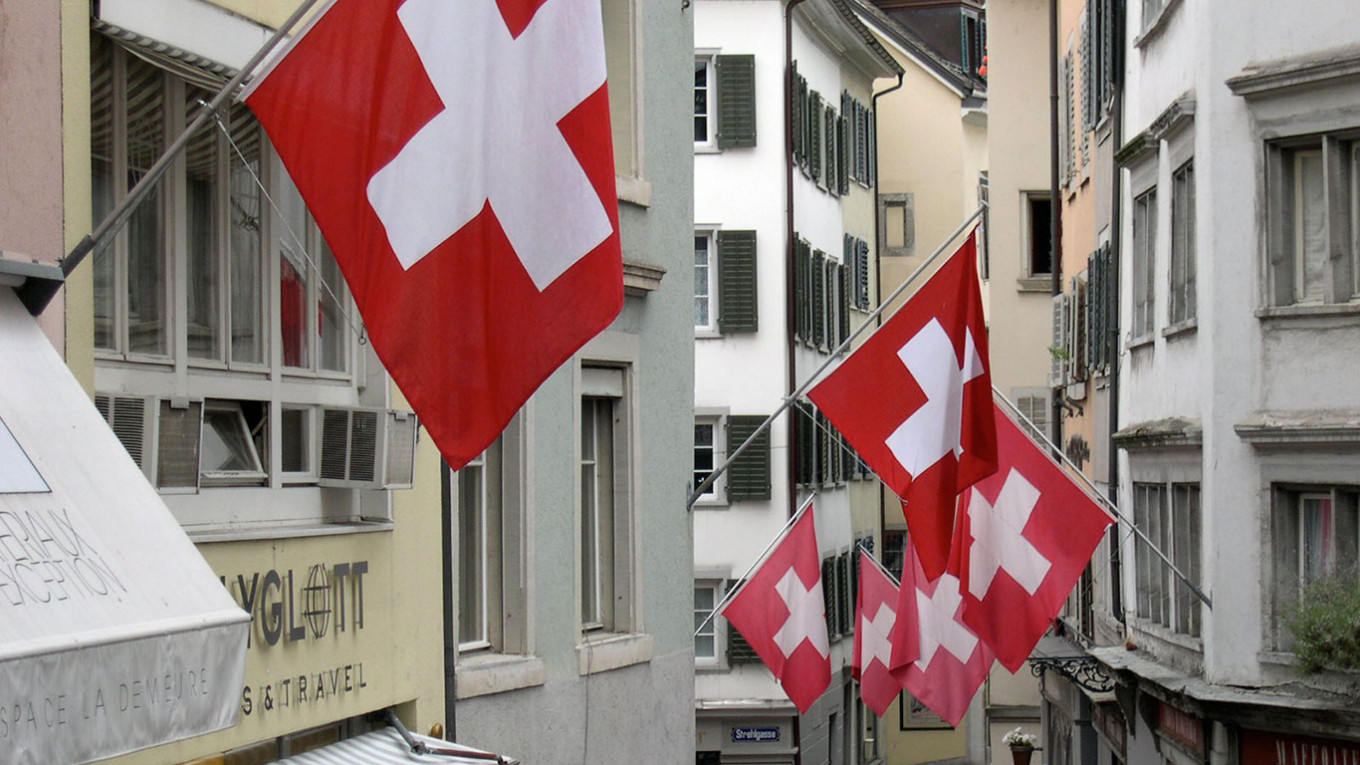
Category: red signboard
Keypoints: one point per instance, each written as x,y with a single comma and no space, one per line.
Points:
1182,728
1261,748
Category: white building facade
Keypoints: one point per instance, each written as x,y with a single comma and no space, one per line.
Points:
783,271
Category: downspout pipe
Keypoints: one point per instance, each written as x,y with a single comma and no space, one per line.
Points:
790,301
1054,183
878,264
1112,338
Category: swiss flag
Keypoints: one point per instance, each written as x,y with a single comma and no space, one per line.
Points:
457,158
1024,536
916,402
781,613
875,616
935,656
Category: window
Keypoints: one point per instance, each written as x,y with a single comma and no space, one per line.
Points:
857,153
706,640
479,551
837,572
1182,297
822,298
220,282
605,519
1314,201
1169,514
703,100
705,282
710,451
1068,146
1033,404
897,225
1144,263
855,255
621,36
1039,234
915,715
825,458
1098,59
1316,534
868,739
724,101
972,40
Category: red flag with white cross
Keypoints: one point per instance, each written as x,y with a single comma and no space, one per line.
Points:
1024,536
936,657
458,160
915,400
781,613
875,616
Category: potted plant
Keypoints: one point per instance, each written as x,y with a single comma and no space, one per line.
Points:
1022,745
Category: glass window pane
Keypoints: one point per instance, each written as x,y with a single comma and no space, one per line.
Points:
1316,536
702,293
1310,200
226,445
201,183
704,457
145,228
293,276
471,552
295,440
330,298
102,184
247,308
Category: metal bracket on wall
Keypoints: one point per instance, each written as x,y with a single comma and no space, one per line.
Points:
1082,670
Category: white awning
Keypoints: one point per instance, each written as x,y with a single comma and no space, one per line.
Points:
386,747
115,635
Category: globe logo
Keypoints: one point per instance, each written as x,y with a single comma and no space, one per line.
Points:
316,600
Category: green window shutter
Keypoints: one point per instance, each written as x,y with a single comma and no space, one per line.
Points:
801,126
815,137
799,289
871,122
737,304
818,298
805,300
738,650
795,97
843,155
843,331
749,475
832,172
736,79
829,597
802,434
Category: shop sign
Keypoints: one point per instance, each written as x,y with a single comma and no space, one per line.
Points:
1261,748
755,734
1182,728
294,606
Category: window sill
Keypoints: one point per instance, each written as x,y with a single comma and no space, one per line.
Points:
706,148
1167,636
706,333
1307,311
209,535
612,651
712,504
1042,283
634,191
1142,341
483,674
1186,327
1154,28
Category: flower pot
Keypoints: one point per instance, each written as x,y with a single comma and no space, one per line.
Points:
1021,754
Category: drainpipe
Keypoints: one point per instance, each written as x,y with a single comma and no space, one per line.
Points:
1054,183
790,301
1112,338
878,271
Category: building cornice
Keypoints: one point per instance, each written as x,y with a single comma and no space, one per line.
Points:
1172,118
1319,427
1161,434
1317,69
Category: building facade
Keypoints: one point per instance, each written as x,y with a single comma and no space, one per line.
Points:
216,338
784,240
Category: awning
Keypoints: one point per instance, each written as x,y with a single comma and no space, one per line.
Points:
115,635
386,747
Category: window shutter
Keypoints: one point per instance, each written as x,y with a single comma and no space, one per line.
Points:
737,303
844,329
862,274
872,123
829,597
738,650
843,155
1088,71
796,87
830,123
799,288
177,458
815,136
749,475
736,78
1057,348
801,434
818,298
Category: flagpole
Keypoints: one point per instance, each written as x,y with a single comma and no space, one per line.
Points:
832,358
879,565
1112,508
119,215
759,560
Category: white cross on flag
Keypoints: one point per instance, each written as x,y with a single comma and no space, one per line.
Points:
875,615
916,402
457,157
935,656
1024,536
781,613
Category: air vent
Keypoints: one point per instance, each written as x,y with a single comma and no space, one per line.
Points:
367,448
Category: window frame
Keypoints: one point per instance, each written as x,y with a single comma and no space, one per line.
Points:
1287,531
1164,601
1182,303
1338,155
717,626
613,567
1143,226
716,497
713,299
705,59
907,204
1033,274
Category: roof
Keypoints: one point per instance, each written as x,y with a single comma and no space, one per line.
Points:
914,46
835,20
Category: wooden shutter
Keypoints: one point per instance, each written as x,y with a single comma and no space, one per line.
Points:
862,274
799,288
843,328
871,120
737,303
802,435
796,87
736,79
818,298
815,136
738,650
829,597
749,475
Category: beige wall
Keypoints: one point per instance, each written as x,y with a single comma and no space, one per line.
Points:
1018,135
